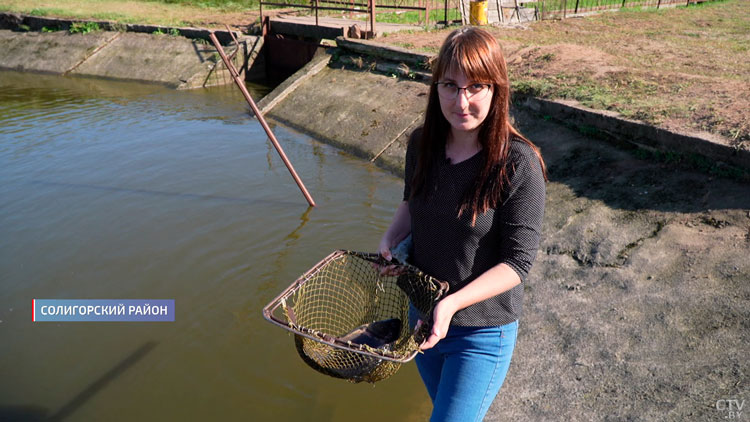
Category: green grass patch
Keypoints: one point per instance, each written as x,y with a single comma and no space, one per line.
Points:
46,11
634,6
117,17
84,27
630,96
414,17
533,87
224,5
155,12
173,32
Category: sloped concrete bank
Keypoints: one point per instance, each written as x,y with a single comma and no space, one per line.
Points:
182,61
638,306
347,95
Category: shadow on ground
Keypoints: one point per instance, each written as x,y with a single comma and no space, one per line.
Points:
638,306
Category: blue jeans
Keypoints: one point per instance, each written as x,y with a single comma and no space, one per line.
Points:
464,371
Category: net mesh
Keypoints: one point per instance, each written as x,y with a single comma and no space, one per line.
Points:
350,317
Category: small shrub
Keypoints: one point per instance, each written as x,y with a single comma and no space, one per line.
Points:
84,27
173,32
535,88
547,57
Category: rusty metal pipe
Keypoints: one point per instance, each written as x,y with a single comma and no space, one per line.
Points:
237,43
241,85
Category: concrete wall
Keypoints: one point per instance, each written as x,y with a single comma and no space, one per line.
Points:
175,61
367,114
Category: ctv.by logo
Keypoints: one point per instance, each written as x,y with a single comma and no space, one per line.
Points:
731,408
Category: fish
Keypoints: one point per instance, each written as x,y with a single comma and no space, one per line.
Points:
376,334
345,364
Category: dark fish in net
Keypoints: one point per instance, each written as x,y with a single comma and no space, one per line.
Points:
376,334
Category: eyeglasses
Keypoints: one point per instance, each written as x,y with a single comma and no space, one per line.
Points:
449,90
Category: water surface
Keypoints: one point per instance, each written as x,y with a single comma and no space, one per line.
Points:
128,191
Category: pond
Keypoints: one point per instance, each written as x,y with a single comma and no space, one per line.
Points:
114,190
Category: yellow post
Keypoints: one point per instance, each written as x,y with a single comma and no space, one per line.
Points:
478,12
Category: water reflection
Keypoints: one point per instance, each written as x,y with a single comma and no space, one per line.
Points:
154,192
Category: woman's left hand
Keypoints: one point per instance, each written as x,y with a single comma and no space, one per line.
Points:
441,321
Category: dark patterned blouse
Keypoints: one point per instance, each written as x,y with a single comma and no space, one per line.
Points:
450,249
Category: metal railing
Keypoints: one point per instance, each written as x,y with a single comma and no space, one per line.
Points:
315,6
427,10
561,9
457,11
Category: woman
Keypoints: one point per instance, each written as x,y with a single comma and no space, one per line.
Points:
473,202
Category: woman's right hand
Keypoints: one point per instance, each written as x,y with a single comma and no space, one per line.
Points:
400,228
385,251
385,247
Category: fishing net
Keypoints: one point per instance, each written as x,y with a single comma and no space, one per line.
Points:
350,320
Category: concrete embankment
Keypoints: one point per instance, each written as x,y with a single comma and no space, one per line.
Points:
638,305
381,91
184,60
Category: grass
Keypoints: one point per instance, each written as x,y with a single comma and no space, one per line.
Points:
168,13
555,7
174,32
717,30
684,68
176,12
632,97
83,27
414,17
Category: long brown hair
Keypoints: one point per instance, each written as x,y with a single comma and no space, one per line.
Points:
477,54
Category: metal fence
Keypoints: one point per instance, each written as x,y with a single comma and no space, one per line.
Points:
422,12
511,11
429,12
561,9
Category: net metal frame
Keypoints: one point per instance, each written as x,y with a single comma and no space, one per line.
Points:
344,291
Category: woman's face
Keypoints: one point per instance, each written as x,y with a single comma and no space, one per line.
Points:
465,112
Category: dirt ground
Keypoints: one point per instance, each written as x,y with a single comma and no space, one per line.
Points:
633,312
685,69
